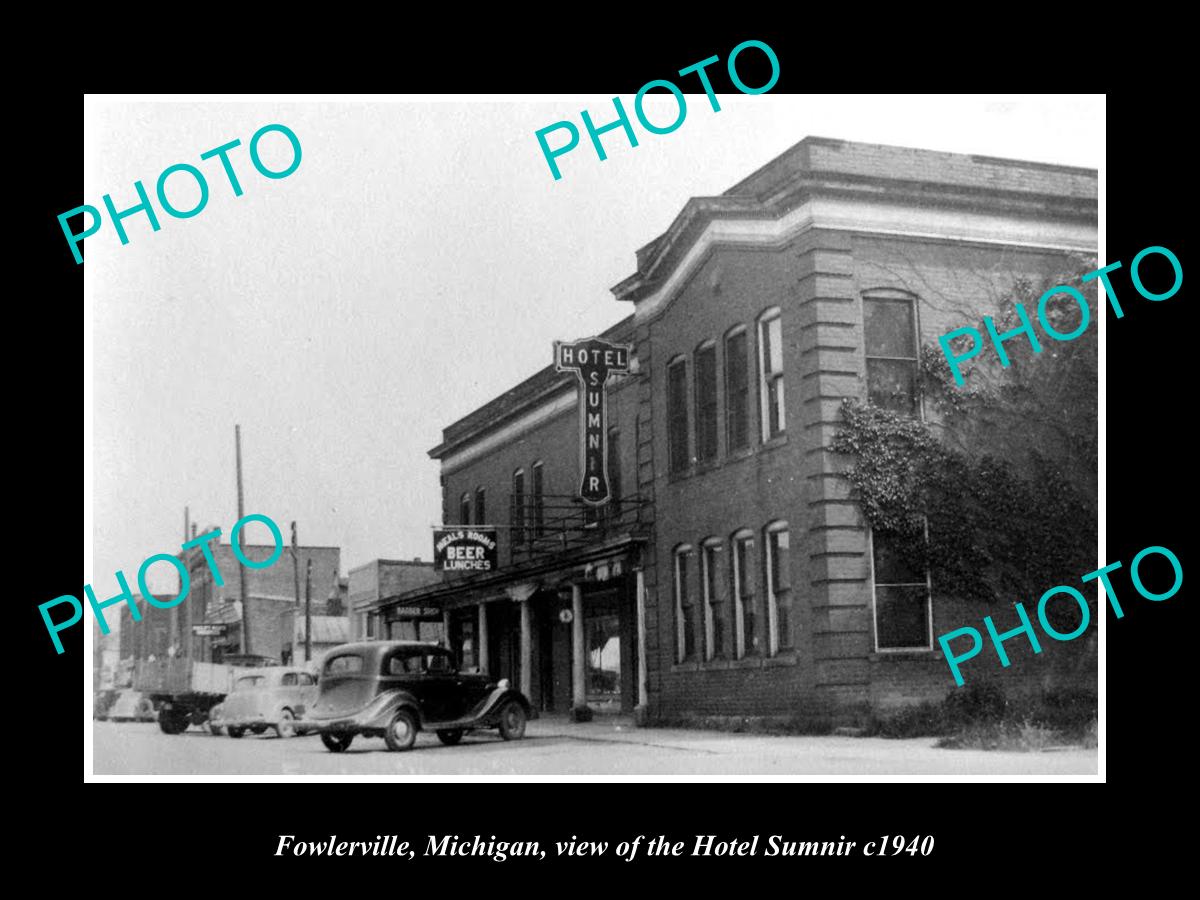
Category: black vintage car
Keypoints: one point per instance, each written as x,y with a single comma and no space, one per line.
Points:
393,689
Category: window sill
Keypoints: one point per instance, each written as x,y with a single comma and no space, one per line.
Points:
782,658
688,665
780,440
914,653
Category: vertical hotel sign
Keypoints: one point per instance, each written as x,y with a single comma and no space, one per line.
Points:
593,361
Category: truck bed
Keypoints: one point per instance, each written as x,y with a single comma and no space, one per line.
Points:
182,676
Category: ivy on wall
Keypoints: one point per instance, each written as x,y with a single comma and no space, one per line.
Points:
995,492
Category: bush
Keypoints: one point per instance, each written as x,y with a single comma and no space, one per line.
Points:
922,720
980,701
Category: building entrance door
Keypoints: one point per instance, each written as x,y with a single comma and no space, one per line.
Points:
602,667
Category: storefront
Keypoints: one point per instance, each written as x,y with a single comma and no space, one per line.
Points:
565,629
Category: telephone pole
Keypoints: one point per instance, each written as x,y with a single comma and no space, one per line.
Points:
237,439
308,612
296,577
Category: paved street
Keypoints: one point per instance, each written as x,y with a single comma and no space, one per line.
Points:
556,747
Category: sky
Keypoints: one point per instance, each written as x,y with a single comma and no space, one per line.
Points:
420,261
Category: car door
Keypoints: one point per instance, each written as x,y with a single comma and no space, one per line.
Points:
441,687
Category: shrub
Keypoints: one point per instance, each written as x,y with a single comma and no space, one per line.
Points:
979,701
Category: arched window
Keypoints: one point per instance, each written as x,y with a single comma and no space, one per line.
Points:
890,338
780,621
706,401
517,507
770,373
464,509
685,608
745,594
539,503
737,390
678,454
716,602
480,506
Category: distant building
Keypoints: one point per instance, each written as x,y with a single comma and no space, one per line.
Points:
374,615
106,657
327,633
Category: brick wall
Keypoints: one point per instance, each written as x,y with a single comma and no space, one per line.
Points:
817,280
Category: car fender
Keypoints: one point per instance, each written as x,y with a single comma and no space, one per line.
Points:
382,709
498,697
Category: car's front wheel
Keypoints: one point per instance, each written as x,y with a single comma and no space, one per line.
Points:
336,743
286,726
235,732
450,736
512,721
401,732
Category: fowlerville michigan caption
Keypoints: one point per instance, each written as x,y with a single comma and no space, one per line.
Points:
703,845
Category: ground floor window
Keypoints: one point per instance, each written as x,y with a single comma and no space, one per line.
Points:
685,609
779,588
903,602
716,628
745,595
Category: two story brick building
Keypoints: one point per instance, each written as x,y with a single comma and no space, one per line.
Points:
734,574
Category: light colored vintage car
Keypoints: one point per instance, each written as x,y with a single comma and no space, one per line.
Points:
131,706
272,697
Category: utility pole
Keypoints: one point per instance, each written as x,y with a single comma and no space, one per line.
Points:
175,639
296,577
308,611
237,438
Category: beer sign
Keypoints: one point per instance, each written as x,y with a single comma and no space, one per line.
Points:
465,550
593,361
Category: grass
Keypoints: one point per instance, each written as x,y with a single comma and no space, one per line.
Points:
982,718
978,717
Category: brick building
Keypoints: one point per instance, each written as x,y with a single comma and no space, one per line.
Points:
373,588
208,624
735,575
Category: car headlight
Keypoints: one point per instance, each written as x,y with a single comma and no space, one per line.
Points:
503,684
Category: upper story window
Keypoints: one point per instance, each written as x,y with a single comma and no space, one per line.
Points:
745,597
685,608
679,456
614,471
716,613
903,599
770,371
480,506
464,509
890,333
737,391
779,588
517,501
706,402
539,502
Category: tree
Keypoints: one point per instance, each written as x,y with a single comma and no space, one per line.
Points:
996,491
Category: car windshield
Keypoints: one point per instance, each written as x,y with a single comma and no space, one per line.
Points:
248,683
344,665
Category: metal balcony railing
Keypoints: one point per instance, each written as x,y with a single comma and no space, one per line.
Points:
559,523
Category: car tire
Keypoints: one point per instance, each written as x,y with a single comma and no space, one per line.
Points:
336,743
286,726
235,732
401,732
172,723
512,721
450,736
